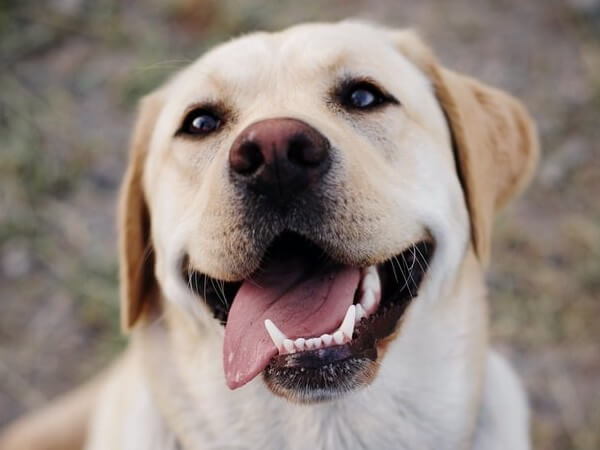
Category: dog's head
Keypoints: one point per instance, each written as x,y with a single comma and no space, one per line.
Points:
297,192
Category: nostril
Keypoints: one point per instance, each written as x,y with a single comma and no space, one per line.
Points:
302,151
247,159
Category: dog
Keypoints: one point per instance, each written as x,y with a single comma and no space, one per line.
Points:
305,223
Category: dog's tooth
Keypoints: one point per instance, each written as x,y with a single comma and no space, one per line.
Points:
371,282
371,270
288,344
276,335
360,312
315,343
368,301
326,339
338,337
310,344
347,326
299,343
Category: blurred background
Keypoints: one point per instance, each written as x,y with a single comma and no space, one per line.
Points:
71,72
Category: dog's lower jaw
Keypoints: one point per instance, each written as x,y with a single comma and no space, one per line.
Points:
426,394
331,382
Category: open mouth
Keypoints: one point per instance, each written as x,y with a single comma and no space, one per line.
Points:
311,325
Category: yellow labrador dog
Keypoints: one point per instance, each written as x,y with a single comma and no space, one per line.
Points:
305,224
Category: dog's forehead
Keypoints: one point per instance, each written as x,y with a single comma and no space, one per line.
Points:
307,45
303,51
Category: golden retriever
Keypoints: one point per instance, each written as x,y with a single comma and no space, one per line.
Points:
305,223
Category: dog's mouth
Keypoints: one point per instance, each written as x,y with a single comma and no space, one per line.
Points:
313,326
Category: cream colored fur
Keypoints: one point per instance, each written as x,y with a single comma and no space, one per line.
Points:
439,385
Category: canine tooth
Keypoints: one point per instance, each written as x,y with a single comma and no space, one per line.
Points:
371,282
368,301
347,326
318,342
360,312
371,270
276,335
326,339
299,343
338,337
288,344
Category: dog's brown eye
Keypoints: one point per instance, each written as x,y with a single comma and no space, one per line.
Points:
363,95
200,122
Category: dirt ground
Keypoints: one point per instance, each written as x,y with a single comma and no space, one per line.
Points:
72,70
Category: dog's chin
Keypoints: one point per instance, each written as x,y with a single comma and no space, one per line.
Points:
325,374
328,370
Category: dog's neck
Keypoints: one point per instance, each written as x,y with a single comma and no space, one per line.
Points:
421,398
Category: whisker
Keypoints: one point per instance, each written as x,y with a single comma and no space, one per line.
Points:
394,268
412,266
424,260
253,281
221,285
403,272
189,280
414,256
205,279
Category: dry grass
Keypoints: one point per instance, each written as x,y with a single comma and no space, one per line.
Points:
72,72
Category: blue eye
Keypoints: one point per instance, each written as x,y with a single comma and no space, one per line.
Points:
200,122
363,95
362,98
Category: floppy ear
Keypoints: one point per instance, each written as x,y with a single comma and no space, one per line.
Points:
496,147
494,138
135,247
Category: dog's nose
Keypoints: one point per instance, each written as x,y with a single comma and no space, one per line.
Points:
279,158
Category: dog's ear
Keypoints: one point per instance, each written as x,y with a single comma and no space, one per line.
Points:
494,138
135,247
496,147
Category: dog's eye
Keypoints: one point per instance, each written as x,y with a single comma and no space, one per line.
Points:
200,122
363,95
362,98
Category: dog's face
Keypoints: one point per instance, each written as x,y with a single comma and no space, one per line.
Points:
300,192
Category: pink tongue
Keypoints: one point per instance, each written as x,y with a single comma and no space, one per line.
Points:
300,306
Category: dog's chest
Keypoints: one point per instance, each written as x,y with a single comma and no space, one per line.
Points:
258,424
